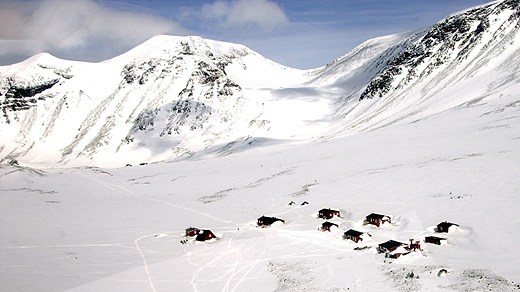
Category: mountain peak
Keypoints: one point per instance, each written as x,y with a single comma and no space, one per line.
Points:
176,96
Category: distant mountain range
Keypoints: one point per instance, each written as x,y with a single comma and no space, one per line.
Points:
175,97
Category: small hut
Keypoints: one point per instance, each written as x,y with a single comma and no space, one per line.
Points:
434,240
327,213
327,225
205,235
377,219
401,250
265,221
393,249
444,227
389,246
192,231
353,235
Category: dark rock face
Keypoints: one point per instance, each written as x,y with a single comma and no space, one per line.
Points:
448,42
205,92
209,96
19,98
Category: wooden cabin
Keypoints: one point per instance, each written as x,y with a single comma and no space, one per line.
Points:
327,225
265,221
192,231
402,250
327,213
353,235
205,235
434,240
377,219
444,227
389,246
392,249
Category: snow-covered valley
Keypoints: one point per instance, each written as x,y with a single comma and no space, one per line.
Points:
423,127
92,229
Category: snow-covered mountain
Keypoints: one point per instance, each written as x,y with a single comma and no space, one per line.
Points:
175,96
462,59
170,96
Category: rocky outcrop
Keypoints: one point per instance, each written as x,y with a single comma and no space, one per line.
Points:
447,43
20,97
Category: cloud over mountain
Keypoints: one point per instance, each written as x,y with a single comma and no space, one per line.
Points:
59,27
263,14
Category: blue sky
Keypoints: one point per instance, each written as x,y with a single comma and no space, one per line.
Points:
298,33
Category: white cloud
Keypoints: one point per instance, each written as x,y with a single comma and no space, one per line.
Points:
261,13
61,27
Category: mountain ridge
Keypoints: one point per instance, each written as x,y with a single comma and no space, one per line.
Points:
173,97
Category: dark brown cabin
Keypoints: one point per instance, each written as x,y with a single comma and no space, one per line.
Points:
434,240
389,246
444,227
377,219
268,221
327,213
205,235
327,225
353,235
393,249
192,231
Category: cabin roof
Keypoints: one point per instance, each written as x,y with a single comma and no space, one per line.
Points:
327,210
436,237
202,236
329,224
376,216
269,220
391,244
446,224
192,229
353,233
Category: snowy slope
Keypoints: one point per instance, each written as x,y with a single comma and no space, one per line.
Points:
92,229
173,97
462,59
166,98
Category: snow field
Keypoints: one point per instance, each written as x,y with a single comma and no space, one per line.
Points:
85,229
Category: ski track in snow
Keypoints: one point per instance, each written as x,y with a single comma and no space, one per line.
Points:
136,242
125,191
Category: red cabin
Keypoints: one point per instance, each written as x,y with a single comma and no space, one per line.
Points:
444,227
377,219
265,221
393,249
353,235
192,231
434,240
205,235
327,213
327,225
